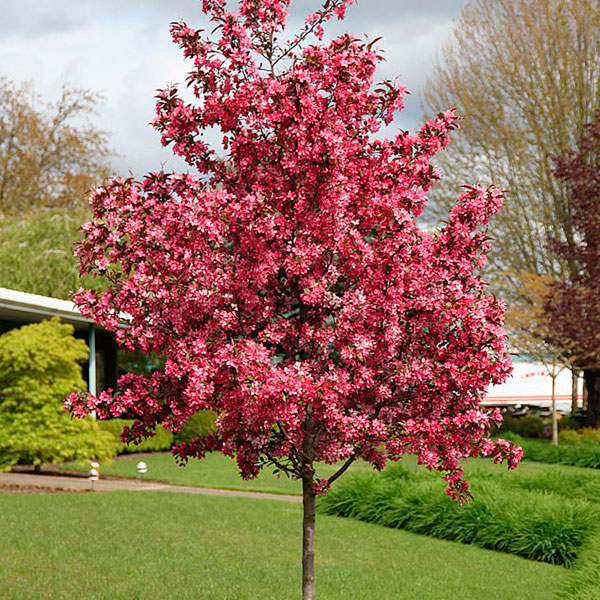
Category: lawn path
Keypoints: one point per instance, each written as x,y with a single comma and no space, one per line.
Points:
66,482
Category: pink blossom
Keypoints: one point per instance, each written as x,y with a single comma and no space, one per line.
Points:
287,282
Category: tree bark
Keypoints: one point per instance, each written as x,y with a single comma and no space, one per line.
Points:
554,415
308,540
592,385
574,386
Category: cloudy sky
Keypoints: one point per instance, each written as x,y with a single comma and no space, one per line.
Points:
122,49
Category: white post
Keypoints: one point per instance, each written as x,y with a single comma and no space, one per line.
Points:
554,415
92,360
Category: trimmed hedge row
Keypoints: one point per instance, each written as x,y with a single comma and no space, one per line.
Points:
199,424
543,527
587,434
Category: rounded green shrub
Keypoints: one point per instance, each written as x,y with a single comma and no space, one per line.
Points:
199,424
161,440
568,436
39,366
531,426
590,434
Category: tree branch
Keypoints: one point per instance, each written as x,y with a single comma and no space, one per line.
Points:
341,470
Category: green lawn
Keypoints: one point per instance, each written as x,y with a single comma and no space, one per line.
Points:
160,545
218,471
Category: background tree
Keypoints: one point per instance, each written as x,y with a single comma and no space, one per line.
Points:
525,76
50,157
287,284
573,304
50,154
532,333
36,252
39,365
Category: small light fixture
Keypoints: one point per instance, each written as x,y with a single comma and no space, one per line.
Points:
94,473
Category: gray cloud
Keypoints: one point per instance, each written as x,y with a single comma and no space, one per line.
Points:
31,18
122,49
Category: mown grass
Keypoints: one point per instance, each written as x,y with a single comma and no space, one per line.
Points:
159,545
218,471
214,471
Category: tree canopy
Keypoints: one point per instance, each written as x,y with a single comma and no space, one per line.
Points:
36,252
573,303
525,77
287,283
51,155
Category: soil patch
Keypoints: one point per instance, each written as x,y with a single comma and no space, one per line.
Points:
15,488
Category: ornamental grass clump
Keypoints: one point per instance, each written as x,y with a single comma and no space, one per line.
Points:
583,581
563,482
284,277
543,527
584,453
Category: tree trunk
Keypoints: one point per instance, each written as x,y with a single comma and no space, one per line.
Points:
592,384
554,415
574,386
308,540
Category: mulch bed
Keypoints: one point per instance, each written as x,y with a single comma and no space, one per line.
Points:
15,488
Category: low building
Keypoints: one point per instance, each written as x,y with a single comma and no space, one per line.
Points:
530,384
19,308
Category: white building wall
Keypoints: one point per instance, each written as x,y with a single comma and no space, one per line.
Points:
531,383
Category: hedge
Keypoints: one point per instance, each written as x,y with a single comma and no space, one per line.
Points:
534,426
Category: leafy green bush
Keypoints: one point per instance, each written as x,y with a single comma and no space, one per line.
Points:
202,423
591,435
162,439
569,422
534,426
569,436
542,527
588,434
39,366
199,424
531,426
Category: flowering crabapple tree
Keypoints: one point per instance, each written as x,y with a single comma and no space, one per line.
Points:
285,280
